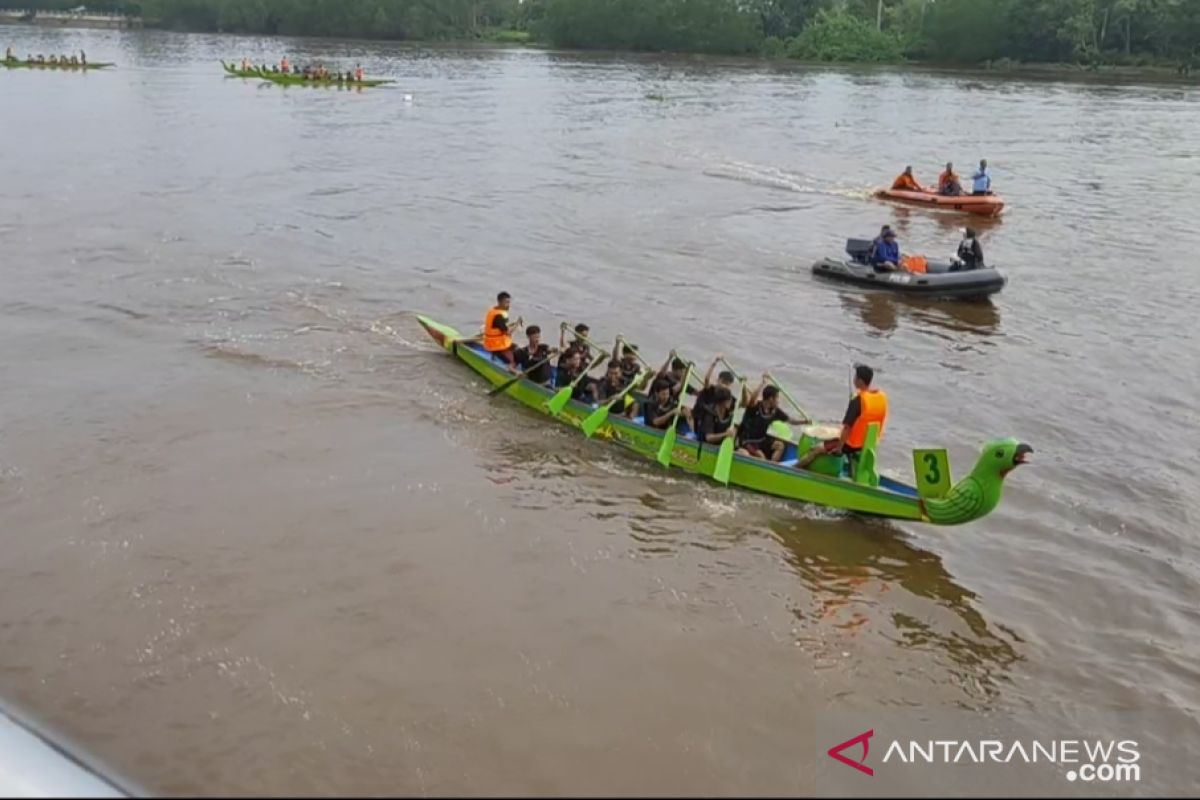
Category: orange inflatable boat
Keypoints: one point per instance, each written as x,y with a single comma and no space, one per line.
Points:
988,205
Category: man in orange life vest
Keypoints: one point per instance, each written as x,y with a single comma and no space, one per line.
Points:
868,405
497,334
907,181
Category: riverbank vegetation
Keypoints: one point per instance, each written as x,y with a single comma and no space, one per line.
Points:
1089,32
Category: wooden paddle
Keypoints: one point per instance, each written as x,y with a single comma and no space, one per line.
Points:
789,398
668,442
725,455
521,375
597,417
557,403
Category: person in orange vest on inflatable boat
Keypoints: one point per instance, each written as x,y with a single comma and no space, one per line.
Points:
907,182
949,183
869,405
497,333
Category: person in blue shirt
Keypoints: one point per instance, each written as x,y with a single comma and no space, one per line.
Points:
983,181
886,256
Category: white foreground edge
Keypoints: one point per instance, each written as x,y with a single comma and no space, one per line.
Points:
36,764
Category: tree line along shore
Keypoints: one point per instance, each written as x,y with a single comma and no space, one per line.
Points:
1005,33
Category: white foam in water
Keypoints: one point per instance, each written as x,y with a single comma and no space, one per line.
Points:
717,508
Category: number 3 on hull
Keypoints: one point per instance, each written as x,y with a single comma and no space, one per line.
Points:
932,468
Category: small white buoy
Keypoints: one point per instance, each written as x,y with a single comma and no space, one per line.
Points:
408,98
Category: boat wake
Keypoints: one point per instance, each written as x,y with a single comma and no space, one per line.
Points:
781,179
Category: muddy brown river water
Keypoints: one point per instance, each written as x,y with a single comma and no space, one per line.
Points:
260,535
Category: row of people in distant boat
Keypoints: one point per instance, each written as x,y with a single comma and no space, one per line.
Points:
949,184
711,413
310,71
77,61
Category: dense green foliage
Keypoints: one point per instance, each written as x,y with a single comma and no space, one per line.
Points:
703,26
844,37
952,31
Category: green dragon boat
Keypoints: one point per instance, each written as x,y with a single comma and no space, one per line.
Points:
66,67
288,79
291,79
934,499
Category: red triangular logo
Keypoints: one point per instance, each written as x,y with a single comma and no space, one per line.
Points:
861,764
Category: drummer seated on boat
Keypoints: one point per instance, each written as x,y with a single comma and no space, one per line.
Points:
869,405
658,407
907,182
885,255
537,355
949,183
497,337
763,410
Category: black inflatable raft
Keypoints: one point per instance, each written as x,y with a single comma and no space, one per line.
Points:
942,278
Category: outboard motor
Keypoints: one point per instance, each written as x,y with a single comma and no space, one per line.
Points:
859,249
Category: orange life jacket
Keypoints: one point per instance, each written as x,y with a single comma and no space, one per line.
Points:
906,183
873,408
914,263
946,179
494,339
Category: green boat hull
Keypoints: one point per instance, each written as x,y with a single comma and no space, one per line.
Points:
891,499
296,80
287,79
63,67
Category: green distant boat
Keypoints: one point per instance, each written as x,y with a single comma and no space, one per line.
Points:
292,79
66,67
933,499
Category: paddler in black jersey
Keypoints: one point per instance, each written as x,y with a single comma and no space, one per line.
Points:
658,407
763,410
611,385
579,343
627,355
536,355
713,421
